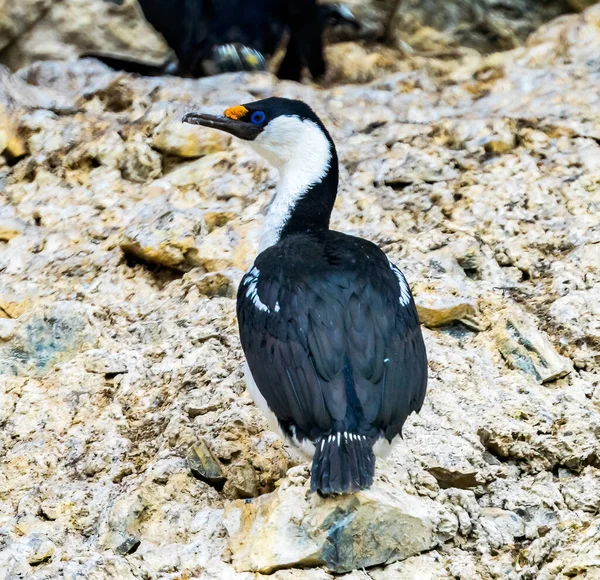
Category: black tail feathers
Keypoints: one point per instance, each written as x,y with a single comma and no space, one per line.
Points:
342,463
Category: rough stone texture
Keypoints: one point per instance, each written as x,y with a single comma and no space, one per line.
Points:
292,527
69,28
33,30
17,17
480,24
479,176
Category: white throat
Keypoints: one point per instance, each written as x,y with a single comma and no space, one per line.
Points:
301,153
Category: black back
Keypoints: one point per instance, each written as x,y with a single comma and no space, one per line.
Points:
330,345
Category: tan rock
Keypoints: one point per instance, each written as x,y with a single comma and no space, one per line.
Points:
352,63
140,163
16,18
241,481
437,310
204,466
173,137
235,245
10,228
526,348
39,549
292,527
72,27
161,234
13,305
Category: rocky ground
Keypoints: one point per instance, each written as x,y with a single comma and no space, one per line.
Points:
128,445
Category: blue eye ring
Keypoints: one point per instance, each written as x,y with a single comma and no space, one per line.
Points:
257,117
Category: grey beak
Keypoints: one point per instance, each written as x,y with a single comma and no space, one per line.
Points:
239,129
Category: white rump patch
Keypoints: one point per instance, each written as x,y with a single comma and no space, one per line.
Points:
301,152
405,295
383,447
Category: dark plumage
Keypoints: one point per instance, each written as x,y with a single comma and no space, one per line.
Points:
334,357
212,36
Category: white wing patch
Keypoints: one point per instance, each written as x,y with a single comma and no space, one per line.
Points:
252,292
405,295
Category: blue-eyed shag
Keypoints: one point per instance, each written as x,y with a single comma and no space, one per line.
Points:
335,355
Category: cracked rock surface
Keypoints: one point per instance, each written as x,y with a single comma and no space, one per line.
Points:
129,447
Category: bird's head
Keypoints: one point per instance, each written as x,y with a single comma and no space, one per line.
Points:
283,131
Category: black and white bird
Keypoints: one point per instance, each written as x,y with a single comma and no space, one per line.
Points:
335,355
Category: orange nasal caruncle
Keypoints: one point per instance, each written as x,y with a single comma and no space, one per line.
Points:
236,112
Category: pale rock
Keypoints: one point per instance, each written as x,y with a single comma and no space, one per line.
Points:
291,527
307,574
514,232
582,560
202,402
140,163
583,493
164,235
406,164
424,567
17,17
39,549
235,245
571,38
122,527
47,336
16,94
172,137
8,327
10,228
72,27
529,350
104,362
501,526
577,314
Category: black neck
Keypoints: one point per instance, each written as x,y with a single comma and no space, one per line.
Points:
312,210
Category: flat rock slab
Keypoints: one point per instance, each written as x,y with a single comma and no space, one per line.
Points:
293,528
526,348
